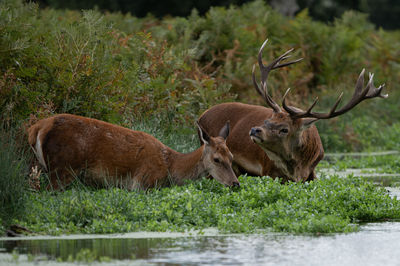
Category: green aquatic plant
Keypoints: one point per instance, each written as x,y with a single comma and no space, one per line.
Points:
326,206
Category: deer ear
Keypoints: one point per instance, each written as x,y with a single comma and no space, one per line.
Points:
224,132
307,122
204,137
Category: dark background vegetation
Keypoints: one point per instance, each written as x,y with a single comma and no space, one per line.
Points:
383,13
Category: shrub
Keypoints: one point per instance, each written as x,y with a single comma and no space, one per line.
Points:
55,62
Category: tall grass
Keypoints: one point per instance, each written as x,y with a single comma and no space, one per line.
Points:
13,177
178,137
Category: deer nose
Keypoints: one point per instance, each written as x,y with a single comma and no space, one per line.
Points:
254,131
236,184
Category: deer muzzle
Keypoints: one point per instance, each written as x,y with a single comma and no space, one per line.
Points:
255,134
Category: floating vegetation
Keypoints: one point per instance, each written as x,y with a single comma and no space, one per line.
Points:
329,205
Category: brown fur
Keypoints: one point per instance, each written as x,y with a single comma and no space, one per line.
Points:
300,153
111,154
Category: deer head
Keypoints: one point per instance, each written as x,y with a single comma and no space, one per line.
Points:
281,135
217,158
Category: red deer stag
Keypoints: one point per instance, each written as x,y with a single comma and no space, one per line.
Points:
66,145
282,143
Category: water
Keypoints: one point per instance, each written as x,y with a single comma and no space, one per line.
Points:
375,244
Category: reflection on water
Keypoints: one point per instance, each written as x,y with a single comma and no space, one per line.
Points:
376,244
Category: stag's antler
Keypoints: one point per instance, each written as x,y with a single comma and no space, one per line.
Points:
360,94
264,75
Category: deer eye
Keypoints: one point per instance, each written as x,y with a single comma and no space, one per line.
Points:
216,160
284,131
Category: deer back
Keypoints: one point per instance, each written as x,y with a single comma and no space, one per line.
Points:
71,144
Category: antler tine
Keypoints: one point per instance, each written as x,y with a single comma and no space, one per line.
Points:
292,111
255,82
359,95
373,91
264,93
360,82
269,100
275,63
287,63
264,70
312,105
377,92
259,57
336,104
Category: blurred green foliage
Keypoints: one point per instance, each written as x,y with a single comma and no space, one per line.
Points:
383,13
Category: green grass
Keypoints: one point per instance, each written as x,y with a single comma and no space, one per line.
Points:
182,138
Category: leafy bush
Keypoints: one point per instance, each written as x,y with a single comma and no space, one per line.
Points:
55,62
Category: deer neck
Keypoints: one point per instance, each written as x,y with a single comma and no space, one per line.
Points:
284,163
186,166
308,153
292,159
285,157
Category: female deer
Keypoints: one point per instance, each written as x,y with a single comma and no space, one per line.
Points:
67,145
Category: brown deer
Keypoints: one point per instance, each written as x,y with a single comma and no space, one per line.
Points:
282,143
67,145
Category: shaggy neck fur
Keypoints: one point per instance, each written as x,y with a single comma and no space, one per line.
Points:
285,165
285,159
